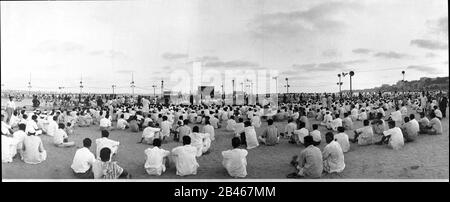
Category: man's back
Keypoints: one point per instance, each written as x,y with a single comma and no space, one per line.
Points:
185,160
311,160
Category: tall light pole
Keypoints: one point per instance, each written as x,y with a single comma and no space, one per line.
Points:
29,86
351,75
287,85
234,93
162,88
154,90
113,87
340,85
81,85
276,84
132,83
403,72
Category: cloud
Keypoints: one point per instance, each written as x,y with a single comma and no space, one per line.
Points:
233,63
439,26
431,55
328,66
54,46
425,69
361,51
330,53
318,19
124,72
429,44
174,56
108,53
391,55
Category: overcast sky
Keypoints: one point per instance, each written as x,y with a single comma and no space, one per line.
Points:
309,42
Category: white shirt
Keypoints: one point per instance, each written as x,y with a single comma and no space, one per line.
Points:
105,142
333,157
52,127
104,122
415,125
342,139
197,140
9,149
185,160
396,116
31,124
256,121
19,136
235,162
121,123
59,136
250,137
149,132
165,128
154,163
396,141
301,134
82,160
336,123
210,130
11,104
316,135
231,124
5,128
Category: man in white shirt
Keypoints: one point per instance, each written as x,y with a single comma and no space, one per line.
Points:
316,134
251,140
364,135
52,126
208,128
337,122
157,159
393,136
234,160
6,129
32,125
332,155
201,141
61,139
409,131
231,124
83,161
10,107
327,120
19,136
185,158
104,141
122,124
300,134
9,148
165,128
150,133
342,139
105,123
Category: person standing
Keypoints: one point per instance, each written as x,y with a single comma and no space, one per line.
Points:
443,106
10,107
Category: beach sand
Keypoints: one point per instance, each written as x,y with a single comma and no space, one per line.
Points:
426,158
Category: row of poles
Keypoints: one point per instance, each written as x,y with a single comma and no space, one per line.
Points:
132,84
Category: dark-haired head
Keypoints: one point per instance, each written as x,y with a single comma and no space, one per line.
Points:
105,154
105,133
186,140
157,142
87,142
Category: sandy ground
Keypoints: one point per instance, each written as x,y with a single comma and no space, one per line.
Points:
426,158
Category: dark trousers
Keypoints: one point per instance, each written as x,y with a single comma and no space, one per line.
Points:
443,110
243,140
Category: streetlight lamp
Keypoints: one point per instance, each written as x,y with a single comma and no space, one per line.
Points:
351,75
340,85
287,85
403,72
113,87
154,90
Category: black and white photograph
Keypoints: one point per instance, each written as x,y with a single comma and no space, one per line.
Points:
225,91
